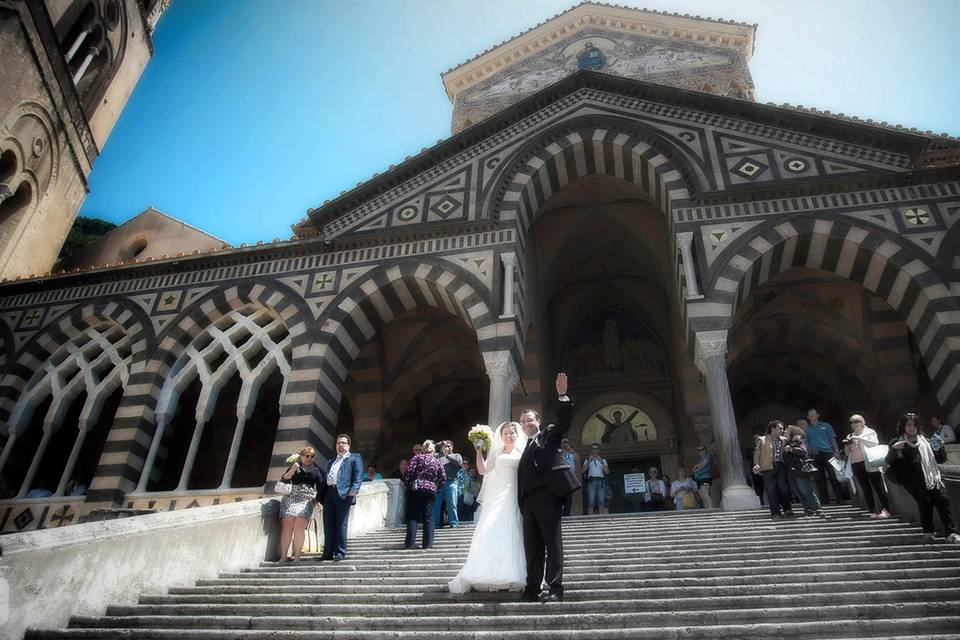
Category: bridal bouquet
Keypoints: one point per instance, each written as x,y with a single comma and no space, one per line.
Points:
481,436
293,457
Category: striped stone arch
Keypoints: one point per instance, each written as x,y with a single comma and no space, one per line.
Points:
593,145
773,334
373,300
71,323
875,259
135,425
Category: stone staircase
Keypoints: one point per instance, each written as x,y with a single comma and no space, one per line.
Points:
700,574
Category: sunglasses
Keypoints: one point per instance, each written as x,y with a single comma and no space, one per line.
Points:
307,455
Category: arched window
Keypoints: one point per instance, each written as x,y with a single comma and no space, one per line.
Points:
60,422
218,412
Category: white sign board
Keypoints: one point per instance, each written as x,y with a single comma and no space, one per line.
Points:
634,483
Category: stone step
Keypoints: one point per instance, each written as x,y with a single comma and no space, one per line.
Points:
315,569
830,524
415,559
255,594
267,606
553,618
691,578
611,572
939,628
600,549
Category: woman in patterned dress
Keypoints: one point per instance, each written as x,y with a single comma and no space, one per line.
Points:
296,509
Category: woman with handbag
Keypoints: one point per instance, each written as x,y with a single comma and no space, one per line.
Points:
296,507
684,491
425,477
914,463
768,462
802,469
857,443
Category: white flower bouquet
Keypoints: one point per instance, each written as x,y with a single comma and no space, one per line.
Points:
481,436
293,457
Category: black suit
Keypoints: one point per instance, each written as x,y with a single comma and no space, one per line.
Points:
544,480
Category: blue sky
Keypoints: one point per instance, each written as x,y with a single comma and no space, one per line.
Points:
253,111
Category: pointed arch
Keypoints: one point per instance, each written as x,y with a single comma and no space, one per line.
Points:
606,145
373,300
877,260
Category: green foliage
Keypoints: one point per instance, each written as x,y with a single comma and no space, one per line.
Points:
85,231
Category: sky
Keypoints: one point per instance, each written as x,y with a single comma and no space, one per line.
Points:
253,111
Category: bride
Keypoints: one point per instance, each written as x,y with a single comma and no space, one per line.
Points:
496,559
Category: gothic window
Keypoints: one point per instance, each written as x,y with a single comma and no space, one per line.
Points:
15,194
218,411
61,420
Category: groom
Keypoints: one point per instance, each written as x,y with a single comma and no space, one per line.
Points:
544,480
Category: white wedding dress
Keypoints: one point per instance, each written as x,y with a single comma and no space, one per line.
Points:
496,559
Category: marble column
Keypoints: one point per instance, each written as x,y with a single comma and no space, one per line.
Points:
710,358
685,242
92,53
509,261
503,377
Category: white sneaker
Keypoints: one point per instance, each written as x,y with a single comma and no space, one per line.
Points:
954,538
883,514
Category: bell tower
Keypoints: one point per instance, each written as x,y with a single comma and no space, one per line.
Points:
68,68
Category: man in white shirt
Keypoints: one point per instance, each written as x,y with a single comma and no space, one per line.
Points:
595,470
344,476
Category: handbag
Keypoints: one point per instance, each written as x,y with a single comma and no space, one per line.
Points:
807,468
283,488
837,465
875,458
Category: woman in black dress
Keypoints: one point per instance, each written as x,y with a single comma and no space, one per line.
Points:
296,509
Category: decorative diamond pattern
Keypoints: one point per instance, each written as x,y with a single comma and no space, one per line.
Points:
749,168
445,206
23,519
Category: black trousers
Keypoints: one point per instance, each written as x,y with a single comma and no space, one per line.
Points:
866,480
927,500
825,472
336,510
420,509
543,540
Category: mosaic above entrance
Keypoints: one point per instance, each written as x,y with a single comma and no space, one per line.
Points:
598,50
618,424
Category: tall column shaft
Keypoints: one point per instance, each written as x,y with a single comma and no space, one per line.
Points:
192,454
503,377
509,261
710,356
685,242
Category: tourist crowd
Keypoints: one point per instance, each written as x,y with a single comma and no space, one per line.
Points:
802,462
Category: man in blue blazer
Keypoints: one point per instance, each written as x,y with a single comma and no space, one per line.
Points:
344,474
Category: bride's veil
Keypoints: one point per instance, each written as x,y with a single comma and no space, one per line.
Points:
489,479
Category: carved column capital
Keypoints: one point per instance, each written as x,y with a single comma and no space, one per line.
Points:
709,344
509,259
685,239
500,367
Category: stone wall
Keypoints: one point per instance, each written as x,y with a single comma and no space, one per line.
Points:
114,562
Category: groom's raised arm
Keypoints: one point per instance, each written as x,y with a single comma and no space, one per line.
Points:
564,406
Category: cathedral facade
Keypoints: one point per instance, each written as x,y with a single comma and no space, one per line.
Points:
612,203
